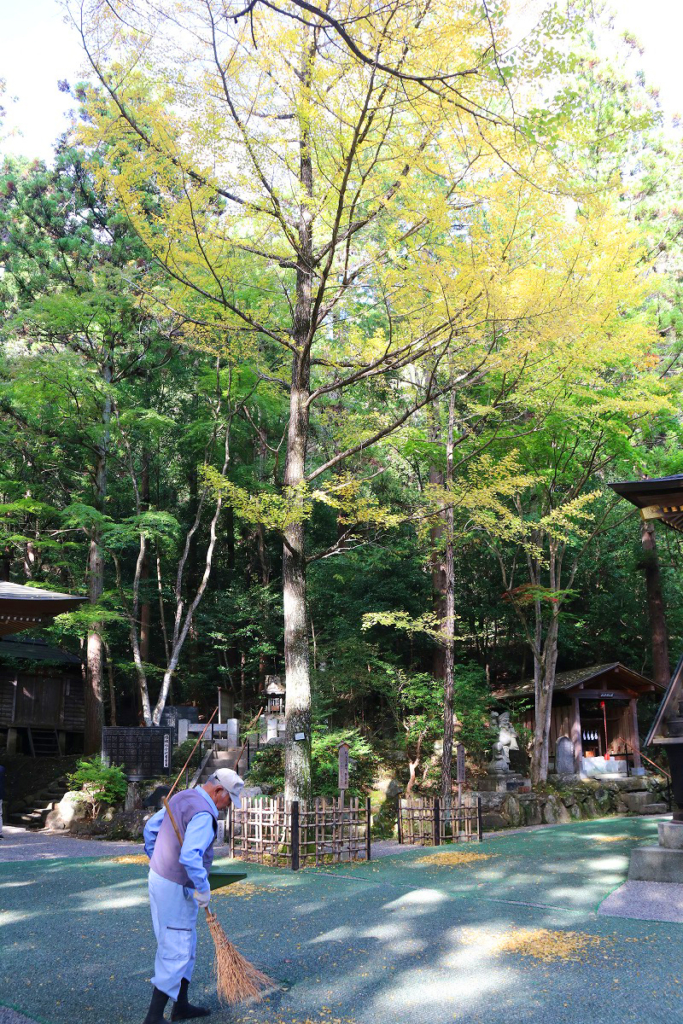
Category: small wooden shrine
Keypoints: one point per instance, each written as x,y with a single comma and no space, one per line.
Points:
595,707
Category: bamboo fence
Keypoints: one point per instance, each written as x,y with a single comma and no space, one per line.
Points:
295,834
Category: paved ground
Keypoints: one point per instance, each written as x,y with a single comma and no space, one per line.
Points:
18,844
645,901
391,942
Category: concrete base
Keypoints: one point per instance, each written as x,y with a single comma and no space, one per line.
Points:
656,864
671,835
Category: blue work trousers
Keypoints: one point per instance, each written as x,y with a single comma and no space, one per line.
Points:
174,916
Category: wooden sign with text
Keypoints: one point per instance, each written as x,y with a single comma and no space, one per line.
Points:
343,767
460,754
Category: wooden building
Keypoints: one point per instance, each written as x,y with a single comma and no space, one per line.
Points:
596,708
42,709
41,687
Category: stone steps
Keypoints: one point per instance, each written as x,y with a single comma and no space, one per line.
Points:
33,815
654,809
222,759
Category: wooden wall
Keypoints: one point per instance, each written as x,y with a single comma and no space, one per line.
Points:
619,728
52,702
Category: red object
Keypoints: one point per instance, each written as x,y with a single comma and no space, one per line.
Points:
604,718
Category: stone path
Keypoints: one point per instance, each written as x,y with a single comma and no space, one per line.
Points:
18,844
396,941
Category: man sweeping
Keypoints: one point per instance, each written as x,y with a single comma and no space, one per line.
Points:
179,886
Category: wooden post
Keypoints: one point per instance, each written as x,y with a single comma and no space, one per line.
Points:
399,822
294,834
437,822
480,824
576,734
368,823
635,740
231,832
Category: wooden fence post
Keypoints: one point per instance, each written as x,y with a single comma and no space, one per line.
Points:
294,834
437,822
231,832
399,821
479,821
368,823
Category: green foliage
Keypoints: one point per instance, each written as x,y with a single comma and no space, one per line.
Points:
267,767
472,703
99,783
180,756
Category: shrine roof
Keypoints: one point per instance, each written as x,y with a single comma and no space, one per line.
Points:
661,498
33,649
613,674
30,607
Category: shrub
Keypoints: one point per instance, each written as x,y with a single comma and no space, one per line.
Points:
268,768
99,783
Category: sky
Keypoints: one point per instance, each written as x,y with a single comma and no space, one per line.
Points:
37,49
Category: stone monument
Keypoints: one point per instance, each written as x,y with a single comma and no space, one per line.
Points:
501,779
506,740
564,756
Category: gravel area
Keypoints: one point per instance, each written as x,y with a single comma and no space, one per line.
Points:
18,844
645,901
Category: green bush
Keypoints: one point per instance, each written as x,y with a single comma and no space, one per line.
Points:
472,703
99,783
180,756
267,768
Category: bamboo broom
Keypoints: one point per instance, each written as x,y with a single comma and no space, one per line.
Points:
236,978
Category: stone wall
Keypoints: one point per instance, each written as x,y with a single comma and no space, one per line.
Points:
562,802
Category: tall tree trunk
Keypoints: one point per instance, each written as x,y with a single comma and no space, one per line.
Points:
438,568
145,606
94,705
661,668
112,687
545,665
448,626
298,682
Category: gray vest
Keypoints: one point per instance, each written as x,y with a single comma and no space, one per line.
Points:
165,862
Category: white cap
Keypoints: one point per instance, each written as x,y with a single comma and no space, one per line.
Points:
231,782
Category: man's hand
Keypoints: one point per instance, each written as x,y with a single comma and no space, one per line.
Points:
202,897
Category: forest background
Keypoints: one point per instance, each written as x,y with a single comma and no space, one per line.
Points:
321,342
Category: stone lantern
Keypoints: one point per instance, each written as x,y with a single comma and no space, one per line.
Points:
275,709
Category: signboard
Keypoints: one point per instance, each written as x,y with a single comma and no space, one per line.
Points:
606,694
343,767
460,754
143,753
169,719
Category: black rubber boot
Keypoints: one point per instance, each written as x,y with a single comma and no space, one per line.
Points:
155,1014
183,1008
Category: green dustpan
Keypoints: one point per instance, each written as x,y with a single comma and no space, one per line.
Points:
219,879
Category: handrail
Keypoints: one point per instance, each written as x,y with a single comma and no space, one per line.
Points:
191,755
663,772
202,765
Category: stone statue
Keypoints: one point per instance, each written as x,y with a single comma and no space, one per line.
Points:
505,742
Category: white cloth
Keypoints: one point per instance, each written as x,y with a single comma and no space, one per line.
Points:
174,916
